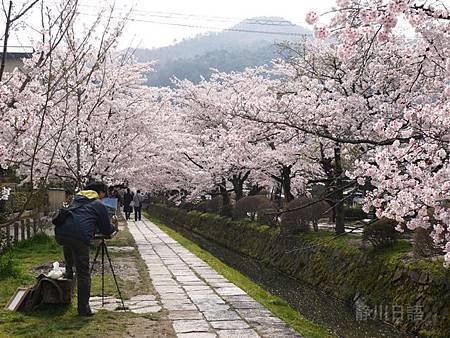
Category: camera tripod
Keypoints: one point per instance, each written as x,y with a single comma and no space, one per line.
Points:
104,250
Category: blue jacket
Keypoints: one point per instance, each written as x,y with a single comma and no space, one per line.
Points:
85,221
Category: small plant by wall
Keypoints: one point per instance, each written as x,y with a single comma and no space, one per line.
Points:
381,233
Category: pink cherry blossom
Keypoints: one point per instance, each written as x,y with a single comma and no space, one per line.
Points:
320,32
311,18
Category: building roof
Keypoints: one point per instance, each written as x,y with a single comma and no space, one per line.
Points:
17,52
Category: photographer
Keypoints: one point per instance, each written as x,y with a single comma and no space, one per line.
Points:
76,233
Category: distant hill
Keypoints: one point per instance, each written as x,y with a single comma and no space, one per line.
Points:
249,43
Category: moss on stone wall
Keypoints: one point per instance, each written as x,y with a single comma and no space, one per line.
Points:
405,289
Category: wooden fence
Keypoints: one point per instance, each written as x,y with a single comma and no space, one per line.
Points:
30,224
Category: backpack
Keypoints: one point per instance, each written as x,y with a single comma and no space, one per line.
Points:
48,291
61,215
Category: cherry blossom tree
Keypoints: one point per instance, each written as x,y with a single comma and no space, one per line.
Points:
105,116
355,91
75,110
25,101
222,147
407,97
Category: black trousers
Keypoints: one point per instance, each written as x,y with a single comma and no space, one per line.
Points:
76,253
137,213
128,211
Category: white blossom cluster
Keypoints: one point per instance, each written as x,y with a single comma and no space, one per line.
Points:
4,193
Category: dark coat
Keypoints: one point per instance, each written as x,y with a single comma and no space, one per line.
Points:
127,198
85,221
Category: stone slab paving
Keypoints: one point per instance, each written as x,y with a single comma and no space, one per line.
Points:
200,301
120,249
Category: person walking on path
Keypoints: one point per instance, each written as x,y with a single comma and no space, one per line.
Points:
75,235
137,204
127,198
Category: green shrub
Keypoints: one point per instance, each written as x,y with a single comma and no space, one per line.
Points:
7,267
3,217
381,233
263,228
268,217
354,213
15,203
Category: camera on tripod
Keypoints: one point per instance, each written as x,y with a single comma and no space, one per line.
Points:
100,236
102,249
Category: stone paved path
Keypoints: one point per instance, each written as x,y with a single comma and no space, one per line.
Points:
201,302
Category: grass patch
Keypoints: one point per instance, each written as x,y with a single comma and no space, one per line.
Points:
346,243
123,238
276,305
62,321
46,321
392,253
329,238
145,280
110,286
434,267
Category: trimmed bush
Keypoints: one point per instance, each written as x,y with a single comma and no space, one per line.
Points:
267,216
257,207
381,233
213,205
302,215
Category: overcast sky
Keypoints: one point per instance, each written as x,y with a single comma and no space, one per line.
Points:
214,15
164,22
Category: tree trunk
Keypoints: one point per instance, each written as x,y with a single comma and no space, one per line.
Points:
339,192
78,146
238,184
5,41
226,205
238,188
334,186
339,222
286,183
255,190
